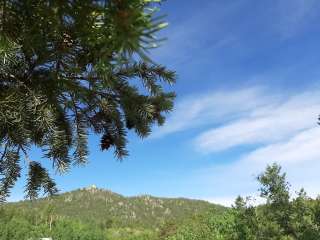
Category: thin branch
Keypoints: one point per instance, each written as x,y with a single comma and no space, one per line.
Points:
26,156
4,152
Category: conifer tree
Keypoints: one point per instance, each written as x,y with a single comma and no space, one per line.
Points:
72,67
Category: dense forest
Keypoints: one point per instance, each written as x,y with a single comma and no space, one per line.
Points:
283,216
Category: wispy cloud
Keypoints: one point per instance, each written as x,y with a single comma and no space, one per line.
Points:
267,125
197,32
274,121
299,157
293,15
210,108
279,128
303,147
209,28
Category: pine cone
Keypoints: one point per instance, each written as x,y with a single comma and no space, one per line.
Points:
106,141
129,124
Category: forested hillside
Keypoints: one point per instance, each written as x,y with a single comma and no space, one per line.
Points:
107,208
93,213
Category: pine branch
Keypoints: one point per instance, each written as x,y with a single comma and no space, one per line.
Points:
39,179
56,86
9,172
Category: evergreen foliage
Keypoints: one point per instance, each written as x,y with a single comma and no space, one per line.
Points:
72,67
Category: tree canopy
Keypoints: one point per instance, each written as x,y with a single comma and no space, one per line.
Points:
72,67
282,216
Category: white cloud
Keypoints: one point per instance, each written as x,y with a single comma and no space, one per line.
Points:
303,147
267,124
224,201
210,108
299,157
228,201
279,128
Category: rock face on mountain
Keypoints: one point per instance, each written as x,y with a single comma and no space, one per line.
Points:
111,209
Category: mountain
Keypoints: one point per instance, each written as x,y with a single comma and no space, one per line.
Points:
110,209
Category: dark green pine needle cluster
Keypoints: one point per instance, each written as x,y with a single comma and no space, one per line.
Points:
72,67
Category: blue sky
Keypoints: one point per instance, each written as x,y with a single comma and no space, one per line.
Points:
248,95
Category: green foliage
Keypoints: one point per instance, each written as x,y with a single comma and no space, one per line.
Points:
245,223
281,218
68,68
38,179
278,209
131,234
92,211
10,171
97,214
110,210
274,186
167,229
17,225
208,226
